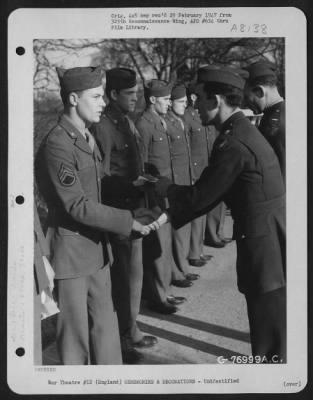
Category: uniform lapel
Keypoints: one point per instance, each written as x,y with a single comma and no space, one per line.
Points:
75,134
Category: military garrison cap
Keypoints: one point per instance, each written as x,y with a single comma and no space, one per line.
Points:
178,92
191,88
79,78
260,69
121,78
157,88
227,75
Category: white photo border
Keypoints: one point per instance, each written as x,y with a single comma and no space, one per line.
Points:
24,26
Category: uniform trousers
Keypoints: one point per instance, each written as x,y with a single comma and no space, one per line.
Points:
158,263
87,328
127,277
267,319
181,245
196,239
215,223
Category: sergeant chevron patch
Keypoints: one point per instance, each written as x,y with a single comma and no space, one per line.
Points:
66,176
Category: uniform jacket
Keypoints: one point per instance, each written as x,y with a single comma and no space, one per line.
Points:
201,140
244,172
69,177
41,249
155,142
272,126
122,151
180,150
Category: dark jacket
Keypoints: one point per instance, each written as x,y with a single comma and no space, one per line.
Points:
69,177
272,126
244,172
122,151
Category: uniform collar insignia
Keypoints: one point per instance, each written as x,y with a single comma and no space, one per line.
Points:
74,133
69,126
153,116
228,124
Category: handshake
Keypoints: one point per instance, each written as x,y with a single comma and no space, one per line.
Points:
146,220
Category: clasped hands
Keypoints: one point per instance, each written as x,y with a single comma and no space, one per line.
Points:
146,220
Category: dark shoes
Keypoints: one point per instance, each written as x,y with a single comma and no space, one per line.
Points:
227,240
182,283
129,353
192,277
206,257
175,300
218,244
197,262
146,341
164,308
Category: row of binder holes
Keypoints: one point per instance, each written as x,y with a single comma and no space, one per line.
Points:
20,351
20,51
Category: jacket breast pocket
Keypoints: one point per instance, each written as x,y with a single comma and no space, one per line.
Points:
195,129
66,232
159,141
84,163
121,146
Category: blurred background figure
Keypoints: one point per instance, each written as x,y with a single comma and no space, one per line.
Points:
201,143
157,247
182,174
263,96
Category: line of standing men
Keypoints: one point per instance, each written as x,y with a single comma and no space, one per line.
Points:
124,149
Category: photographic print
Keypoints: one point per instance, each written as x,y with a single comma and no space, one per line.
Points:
154,241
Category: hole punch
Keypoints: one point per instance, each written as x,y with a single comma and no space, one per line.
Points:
20,351
20,51
19,199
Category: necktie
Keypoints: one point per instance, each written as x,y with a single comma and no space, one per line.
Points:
90,140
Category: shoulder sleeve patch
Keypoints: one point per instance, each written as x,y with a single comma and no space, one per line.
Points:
66,176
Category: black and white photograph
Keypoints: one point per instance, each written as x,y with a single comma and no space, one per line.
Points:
160,167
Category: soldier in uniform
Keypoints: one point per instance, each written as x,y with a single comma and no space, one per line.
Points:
69,177
182,173
263,96
121,148
158,254
245,173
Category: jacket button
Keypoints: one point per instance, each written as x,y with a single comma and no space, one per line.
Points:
243,236
195,163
